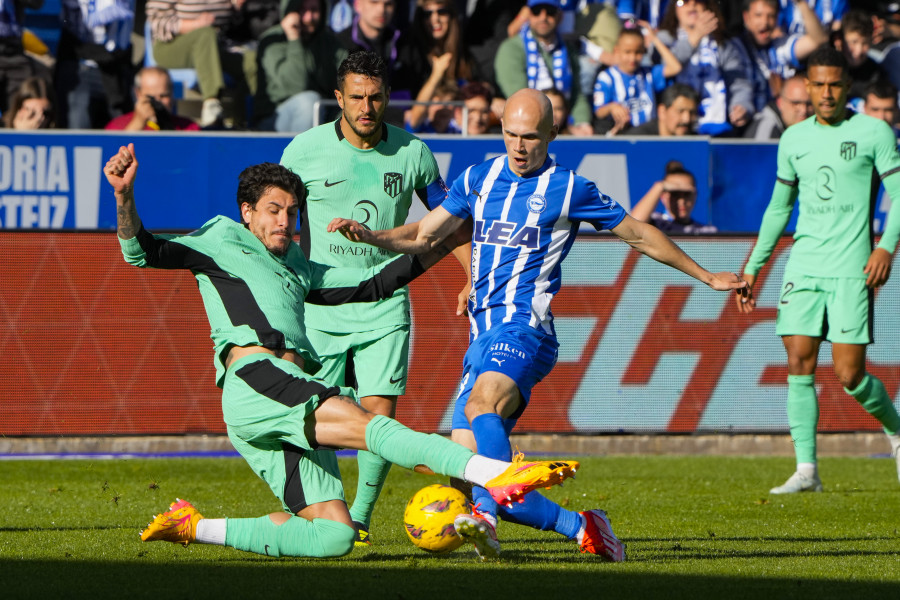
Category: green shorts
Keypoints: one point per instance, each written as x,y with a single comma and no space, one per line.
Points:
836,309
379,359
265,402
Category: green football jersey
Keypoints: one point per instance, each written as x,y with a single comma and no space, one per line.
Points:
829,169
251,296
373,186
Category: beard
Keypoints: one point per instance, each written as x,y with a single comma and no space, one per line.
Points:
361,131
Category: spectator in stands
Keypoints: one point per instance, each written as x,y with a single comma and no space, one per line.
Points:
298,62
372,30
31,106
186,34
828,12
15,65
252,19
154,106
678,194
676,113
886,40
771,58
625,94
881,103
440,116
93,62
887,24
791,106
711,63
855,41
598,28
478,98
435,31
436,115
560,110
486,27
538,58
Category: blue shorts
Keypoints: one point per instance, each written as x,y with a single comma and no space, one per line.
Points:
520,352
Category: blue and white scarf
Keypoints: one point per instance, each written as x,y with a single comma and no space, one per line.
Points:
536,69
704,74
104,22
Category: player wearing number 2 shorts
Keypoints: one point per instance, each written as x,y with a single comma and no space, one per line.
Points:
826,163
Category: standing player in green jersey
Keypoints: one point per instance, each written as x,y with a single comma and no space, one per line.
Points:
284,422
827,161
366,168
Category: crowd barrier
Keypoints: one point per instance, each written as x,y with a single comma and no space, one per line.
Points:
53,180
92,346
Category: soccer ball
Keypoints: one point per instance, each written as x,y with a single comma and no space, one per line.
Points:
429,516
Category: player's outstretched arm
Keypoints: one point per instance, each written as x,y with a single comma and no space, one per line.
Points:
120,172
649,240
413,238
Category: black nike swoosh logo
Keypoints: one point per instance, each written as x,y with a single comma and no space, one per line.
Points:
266,549
246,251
331,183
849,330
398,380
371,484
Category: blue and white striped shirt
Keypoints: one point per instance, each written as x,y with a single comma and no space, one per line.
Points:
636,92
523,229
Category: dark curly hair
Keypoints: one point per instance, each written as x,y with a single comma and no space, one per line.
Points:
255,180
366,63
827,56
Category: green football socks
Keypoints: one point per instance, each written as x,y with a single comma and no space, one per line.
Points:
803,416
403,446
872,396
319,538
373,470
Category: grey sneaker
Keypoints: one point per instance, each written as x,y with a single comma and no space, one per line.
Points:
798,483
481,532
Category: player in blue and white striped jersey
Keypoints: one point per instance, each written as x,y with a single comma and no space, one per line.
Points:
525,210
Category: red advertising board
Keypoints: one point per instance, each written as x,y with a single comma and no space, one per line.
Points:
92,346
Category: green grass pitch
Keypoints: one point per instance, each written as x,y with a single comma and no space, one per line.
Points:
696,527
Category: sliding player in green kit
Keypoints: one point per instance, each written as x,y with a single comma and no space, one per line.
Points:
284,422
364,168
827,163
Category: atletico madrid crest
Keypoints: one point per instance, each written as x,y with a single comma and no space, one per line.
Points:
393,184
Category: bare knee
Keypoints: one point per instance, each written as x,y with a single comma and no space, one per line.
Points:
849,376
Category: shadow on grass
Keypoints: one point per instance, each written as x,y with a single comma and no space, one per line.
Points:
44,528
284,578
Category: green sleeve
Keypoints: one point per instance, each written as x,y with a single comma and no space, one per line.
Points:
887,163
775,219
892,228
509,66
170,251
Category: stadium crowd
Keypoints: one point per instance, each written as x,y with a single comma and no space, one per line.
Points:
655,67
